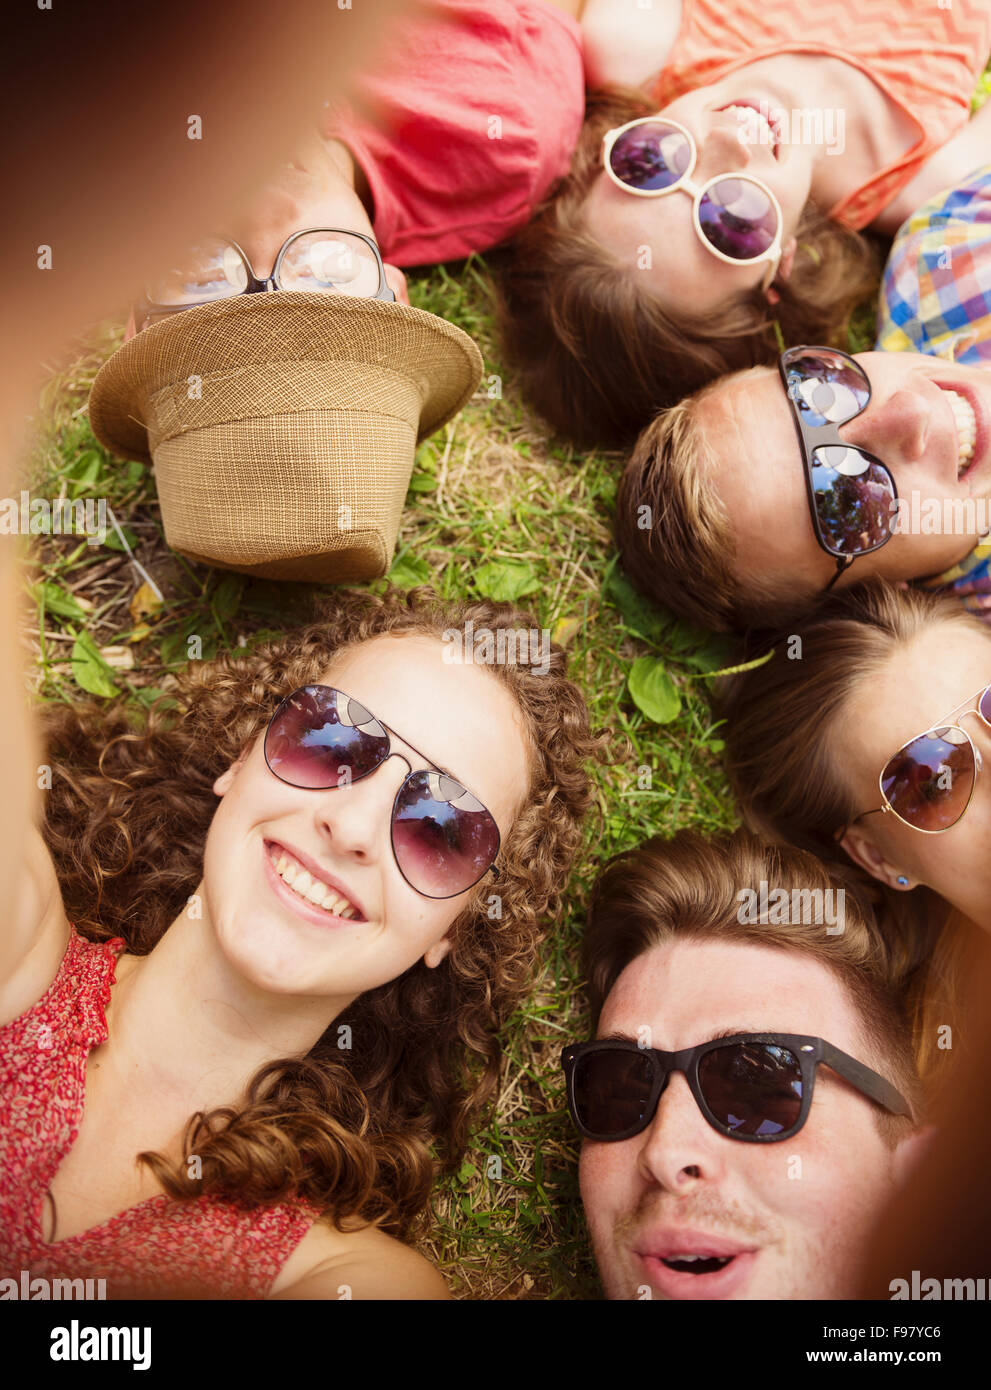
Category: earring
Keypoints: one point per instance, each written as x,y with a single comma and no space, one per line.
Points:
902,881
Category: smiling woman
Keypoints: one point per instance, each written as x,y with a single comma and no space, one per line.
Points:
311,971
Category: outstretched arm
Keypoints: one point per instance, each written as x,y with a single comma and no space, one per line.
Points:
626,45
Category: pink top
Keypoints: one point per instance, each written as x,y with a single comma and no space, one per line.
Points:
205,1248
476,107
925,56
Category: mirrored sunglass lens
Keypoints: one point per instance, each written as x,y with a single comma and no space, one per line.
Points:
854,499
330,262
612,1090
444,838
322,738
985,704
826,388
752,1088
930,780
651,156
212,270
738,218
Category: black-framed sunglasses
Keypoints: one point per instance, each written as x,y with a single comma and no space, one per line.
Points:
329,260
852,495
443,839
755,1087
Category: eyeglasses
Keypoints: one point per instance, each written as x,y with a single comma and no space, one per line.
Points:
736,216
315,260
852,495
929,783
443,838
756,1087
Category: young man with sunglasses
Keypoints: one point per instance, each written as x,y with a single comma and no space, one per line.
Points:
743,504
751,1099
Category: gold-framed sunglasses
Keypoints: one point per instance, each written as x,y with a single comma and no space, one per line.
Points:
930,782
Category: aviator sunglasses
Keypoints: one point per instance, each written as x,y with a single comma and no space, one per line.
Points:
852,495
929,783
756,1087
443,839
735,216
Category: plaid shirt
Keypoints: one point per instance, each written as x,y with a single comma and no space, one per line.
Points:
936,298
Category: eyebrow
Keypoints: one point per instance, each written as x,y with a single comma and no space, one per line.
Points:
619,1036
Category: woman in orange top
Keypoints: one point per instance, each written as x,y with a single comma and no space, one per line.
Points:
792,127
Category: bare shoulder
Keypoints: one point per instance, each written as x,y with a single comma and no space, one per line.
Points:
363,1264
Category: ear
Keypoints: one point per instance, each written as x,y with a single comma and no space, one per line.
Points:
863,851
225,781
435,954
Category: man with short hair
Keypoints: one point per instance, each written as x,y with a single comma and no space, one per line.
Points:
729,518
753,1162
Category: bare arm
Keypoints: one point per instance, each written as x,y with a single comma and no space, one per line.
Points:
945,167
626,45
373,1266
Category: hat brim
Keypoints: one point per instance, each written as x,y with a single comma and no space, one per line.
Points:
440,359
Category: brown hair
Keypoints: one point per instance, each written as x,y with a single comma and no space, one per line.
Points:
598,355
688,888
781,718
679,552
126,823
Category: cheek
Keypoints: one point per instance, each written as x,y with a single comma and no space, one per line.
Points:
605,1172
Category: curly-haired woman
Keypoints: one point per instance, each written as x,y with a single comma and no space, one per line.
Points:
261,946
770,134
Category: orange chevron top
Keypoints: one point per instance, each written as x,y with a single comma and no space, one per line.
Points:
926,58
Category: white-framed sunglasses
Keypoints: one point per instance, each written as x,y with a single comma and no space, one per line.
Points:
735,215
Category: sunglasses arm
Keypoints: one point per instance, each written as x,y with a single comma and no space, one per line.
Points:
865,1080
842,565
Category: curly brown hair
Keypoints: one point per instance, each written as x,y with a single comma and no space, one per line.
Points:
598,355
126,823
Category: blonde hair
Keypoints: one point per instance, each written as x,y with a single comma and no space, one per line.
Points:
683,559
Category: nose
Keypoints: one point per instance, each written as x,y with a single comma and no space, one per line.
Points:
723,150
680,1148
895,428
356,818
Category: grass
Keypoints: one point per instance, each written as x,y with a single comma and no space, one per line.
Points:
492,502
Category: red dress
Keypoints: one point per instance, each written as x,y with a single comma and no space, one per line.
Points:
204,1248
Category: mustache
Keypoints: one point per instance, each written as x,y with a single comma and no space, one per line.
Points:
702,1208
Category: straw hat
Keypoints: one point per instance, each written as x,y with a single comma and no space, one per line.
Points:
283,426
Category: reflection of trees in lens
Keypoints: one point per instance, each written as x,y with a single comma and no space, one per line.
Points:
650,159
927,782
753,1088
441,844
741,238
854,512
841,391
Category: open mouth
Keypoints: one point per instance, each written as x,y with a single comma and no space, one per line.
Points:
759,125
966,423
309,887
697,1264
